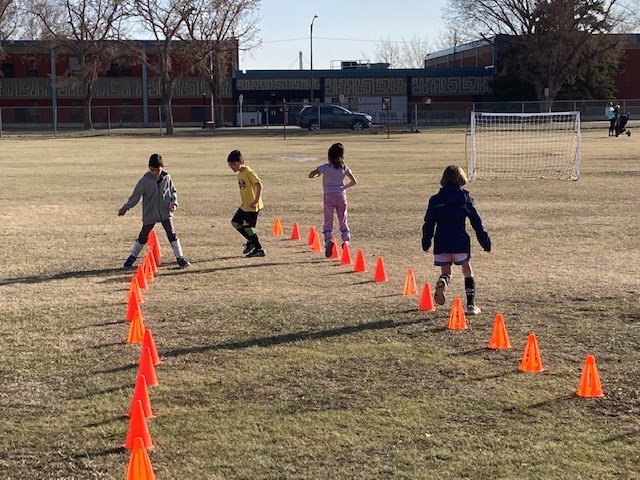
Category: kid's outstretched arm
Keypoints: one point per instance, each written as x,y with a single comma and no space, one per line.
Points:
314,173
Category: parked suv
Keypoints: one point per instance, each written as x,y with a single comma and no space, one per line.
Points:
315,117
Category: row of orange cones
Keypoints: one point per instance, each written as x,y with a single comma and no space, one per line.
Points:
138,438
590,384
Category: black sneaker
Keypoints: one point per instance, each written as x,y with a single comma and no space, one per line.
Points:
247,248
258,252
182,262
328,248
130,261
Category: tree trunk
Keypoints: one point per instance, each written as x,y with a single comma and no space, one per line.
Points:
168,116
88,99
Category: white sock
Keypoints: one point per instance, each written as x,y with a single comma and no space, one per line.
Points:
137,248
177,249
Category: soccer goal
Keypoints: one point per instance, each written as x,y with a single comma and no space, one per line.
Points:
524,145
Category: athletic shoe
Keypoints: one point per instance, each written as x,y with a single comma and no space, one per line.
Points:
182,262
130,261
438,295
473,310
328,248
247,248
258,252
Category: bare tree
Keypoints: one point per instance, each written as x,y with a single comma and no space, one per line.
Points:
87,31
402,54
171,59
216,30
551,41
9,21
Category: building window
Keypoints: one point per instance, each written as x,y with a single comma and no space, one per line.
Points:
8,70
32,67
354,105
77,111
74,63
119,68
33,113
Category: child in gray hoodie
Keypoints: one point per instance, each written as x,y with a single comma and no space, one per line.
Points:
159,201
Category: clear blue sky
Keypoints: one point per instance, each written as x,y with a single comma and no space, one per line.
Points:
344,30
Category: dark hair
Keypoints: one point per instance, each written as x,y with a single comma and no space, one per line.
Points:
234,156
336,155
453,175
155,161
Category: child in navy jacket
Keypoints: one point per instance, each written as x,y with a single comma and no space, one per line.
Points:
446,214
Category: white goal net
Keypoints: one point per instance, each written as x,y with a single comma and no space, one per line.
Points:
525,145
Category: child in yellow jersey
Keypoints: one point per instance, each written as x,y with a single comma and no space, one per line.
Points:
245,219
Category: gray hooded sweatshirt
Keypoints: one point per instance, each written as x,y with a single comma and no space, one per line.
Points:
157,196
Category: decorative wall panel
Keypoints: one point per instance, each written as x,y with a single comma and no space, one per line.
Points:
365,86
267,84
451,85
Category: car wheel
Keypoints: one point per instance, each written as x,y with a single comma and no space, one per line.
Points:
314,126
357,125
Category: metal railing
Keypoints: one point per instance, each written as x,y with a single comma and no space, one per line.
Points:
34,119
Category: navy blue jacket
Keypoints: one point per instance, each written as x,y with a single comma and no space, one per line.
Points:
446,214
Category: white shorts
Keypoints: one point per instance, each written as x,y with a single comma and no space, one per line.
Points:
445,259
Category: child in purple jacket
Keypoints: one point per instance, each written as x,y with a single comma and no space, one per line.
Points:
335,194
446,214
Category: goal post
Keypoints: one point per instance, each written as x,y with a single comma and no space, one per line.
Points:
524,145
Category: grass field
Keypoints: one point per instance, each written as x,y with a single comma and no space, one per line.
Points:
293,366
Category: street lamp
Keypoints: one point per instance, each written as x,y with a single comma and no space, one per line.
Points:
311,57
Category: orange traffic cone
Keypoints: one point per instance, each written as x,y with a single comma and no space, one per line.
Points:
132,307
590,386
410,287
426,300
145,367
457,320
531,360
134,289
138,428
276,231
152,260
141,393
295,232
154,245
147,342
345,259
334,251
380,275
148,269
360,265
139,467
499,337
141,277
315,246
312,234
136,328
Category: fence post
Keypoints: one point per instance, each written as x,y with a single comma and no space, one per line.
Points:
415,115
0,122
109,120
267,114
160,118
55,121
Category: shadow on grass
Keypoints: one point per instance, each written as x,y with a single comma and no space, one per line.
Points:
65,275
108,421
182,271
102,453
292,337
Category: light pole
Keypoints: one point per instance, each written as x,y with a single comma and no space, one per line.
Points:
311,57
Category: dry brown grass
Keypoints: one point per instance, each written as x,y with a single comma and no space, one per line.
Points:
292,366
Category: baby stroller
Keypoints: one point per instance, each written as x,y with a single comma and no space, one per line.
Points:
621,125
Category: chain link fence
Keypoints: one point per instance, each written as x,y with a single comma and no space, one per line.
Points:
399,114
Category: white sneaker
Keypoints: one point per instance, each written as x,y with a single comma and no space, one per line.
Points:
473,310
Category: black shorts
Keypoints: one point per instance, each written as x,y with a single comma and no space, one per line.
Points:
246,219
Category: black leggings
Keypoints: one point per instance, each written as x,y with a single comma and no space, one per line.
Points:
612,126
168,228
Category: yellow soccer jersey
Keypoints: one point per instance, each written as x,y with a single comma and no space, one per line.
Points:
247,180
